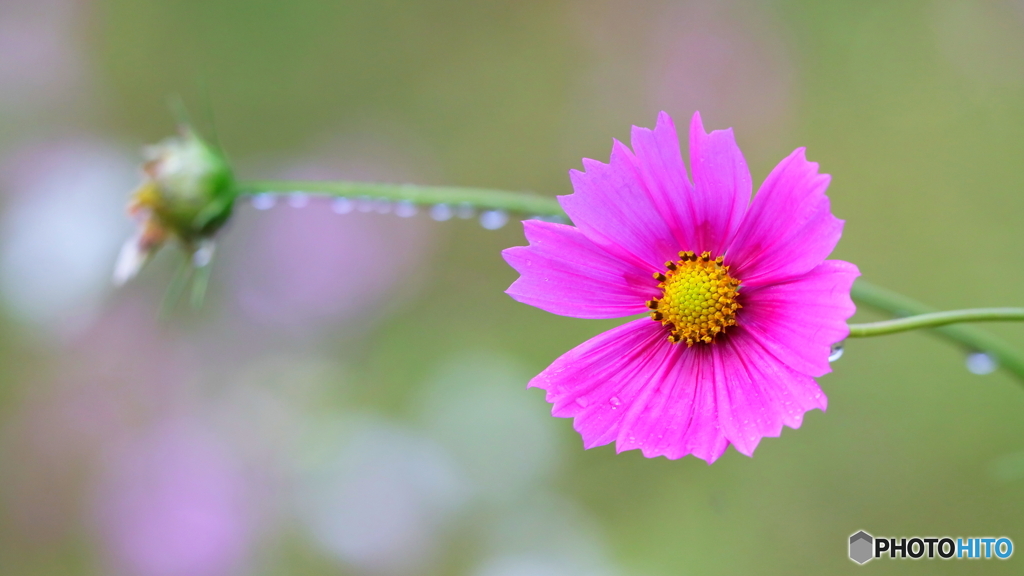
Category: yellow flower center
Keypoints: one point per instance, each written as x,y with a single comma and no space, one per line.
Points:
698,299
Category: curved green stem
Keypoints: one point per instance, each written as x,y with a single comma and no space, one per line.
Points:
934,320
484,198
969,337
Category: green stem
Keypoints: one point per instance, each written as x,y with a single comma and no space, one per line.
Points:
178,283
934,320
863,292
484,198
969,337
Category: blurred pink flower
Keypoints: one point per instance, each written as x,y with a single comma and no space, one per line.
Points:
983,41
97,388
313,267
172,503
728,58
40,60
747,289
725,57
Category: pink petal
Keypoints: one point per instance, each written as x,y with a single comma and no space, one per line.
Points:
591,377
680,414
721,188
613,207
660,165
789,229
798,320
563,272
631,376
757,394
630,386
733,391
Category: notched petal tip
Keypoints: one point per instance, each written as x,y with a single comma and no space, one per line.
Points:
620,148
665,121
664,130
511,253
697,130
696,121
589,164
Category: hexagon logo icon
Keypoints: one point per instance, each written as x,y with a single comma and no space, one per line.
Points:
861,547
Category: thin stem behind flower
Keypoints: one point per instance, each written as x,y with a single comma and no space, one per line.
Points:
934,320
971,338
483,198
911,314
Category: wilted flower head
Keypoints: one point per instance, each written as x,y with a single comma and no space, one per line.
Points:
186,194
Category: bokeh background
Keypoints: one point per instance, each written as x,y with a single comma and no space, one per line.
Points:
352,400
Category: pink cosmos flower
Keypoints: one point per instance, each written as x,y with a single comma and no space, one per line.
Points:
743,307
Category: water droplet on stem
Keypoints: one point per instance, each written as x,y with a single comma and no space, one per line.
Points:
836,352
203,254
264,201
441,212
981,363
342,205
405,209
493,219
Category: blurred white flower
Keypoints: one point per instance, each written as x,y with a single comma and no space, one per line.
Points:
500,433
534,565
545,535
61,229
376,496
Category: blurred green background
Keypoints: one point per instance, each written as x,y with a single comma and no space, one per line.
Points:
351,399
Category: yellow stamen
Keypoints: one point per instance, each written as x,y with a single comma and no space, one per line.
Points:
698,299
145,197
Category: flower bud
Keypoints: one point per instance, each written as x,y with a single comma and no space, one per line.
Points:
187,193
